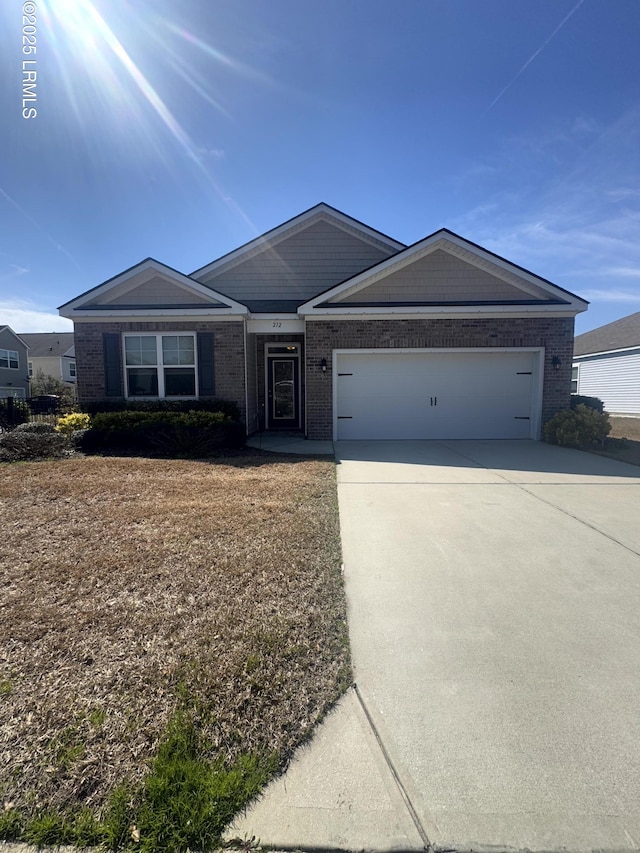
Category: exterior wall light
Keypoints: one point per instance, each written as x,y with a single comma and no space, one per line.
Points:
555,361
323,365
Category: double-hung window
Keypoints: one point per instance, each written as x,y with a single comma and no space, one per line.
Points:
575,373
160,365
9,358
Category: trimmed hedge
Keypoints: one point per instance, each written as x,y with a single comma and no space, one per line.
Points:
590,402
227,407
31,442
191,433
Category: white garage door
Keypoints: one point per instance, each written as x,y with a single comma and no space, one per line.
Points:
400,394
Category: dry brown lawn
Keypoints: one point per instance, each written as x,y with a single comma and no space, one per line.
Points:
623,442
131,585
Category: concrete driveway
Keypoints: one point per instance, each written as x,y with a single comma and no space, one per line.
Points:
494,607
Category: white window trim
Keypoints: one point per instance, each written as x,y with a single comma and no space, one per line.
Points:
72,369
9,353
577,379
18,393
158,365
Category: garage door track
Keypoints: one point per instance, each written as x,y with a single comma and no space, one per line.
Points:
494,612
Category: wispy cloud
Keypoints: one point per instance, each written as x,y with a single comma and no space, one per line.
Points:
14,271
628,296
576,224
50,239
535,54
626,272
215,153
25,316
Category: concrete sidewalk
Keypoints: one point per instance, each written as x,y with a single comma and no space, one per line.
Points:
494,593
290,443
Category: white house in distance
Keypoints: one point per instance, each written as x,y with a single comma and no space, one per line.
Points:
52,353
606,364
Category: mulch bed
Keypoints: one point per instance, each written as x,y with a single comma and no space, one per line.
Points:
131,586
623,442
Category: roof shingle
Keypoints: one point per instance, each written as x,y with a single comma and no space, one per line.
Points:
617,335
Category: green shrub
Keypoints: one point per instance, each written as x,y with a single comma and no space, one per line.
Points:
45,385
36,427
590,402
13,413
30,442
192,433
68,424
577,427
227,407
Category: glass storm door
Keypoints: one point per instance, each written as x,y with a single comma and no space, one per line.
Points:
283,396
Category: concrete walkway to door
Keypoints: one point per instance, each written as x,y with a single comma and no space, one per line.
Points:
494,613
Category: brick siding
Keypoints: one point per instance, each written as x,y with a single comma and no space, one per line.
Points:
555,334
228,356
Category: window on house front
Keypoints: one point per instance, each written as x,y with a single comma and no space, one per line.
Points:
30,366
160,365
574,379
9,358
72,369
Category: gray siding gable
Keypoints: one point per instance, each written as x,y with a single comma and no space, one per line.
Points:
150,291
300,266
441,277
11,377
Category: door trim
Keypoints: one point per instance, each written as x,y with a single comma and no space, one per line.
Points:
538,378
269,357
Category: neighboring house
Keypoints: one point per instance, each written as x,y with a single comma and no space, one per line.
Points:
328,326
51,353
606,364
14,378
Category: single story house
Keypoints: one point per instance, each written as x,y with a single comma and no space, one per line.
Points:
51,353
14,379
327,326
606,364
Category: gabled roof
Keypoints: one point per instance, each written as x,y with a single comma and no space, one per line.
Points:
18,337
110,298
325,263
621,334
276,235
48,344
494,284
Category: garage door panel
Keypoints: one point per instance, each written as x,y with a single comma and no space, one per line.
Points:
434,395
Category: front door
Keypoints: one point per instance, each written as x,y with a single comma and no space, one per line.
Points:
283,391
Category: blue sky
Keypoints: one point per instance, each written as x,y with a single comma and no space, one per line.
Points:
182,130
